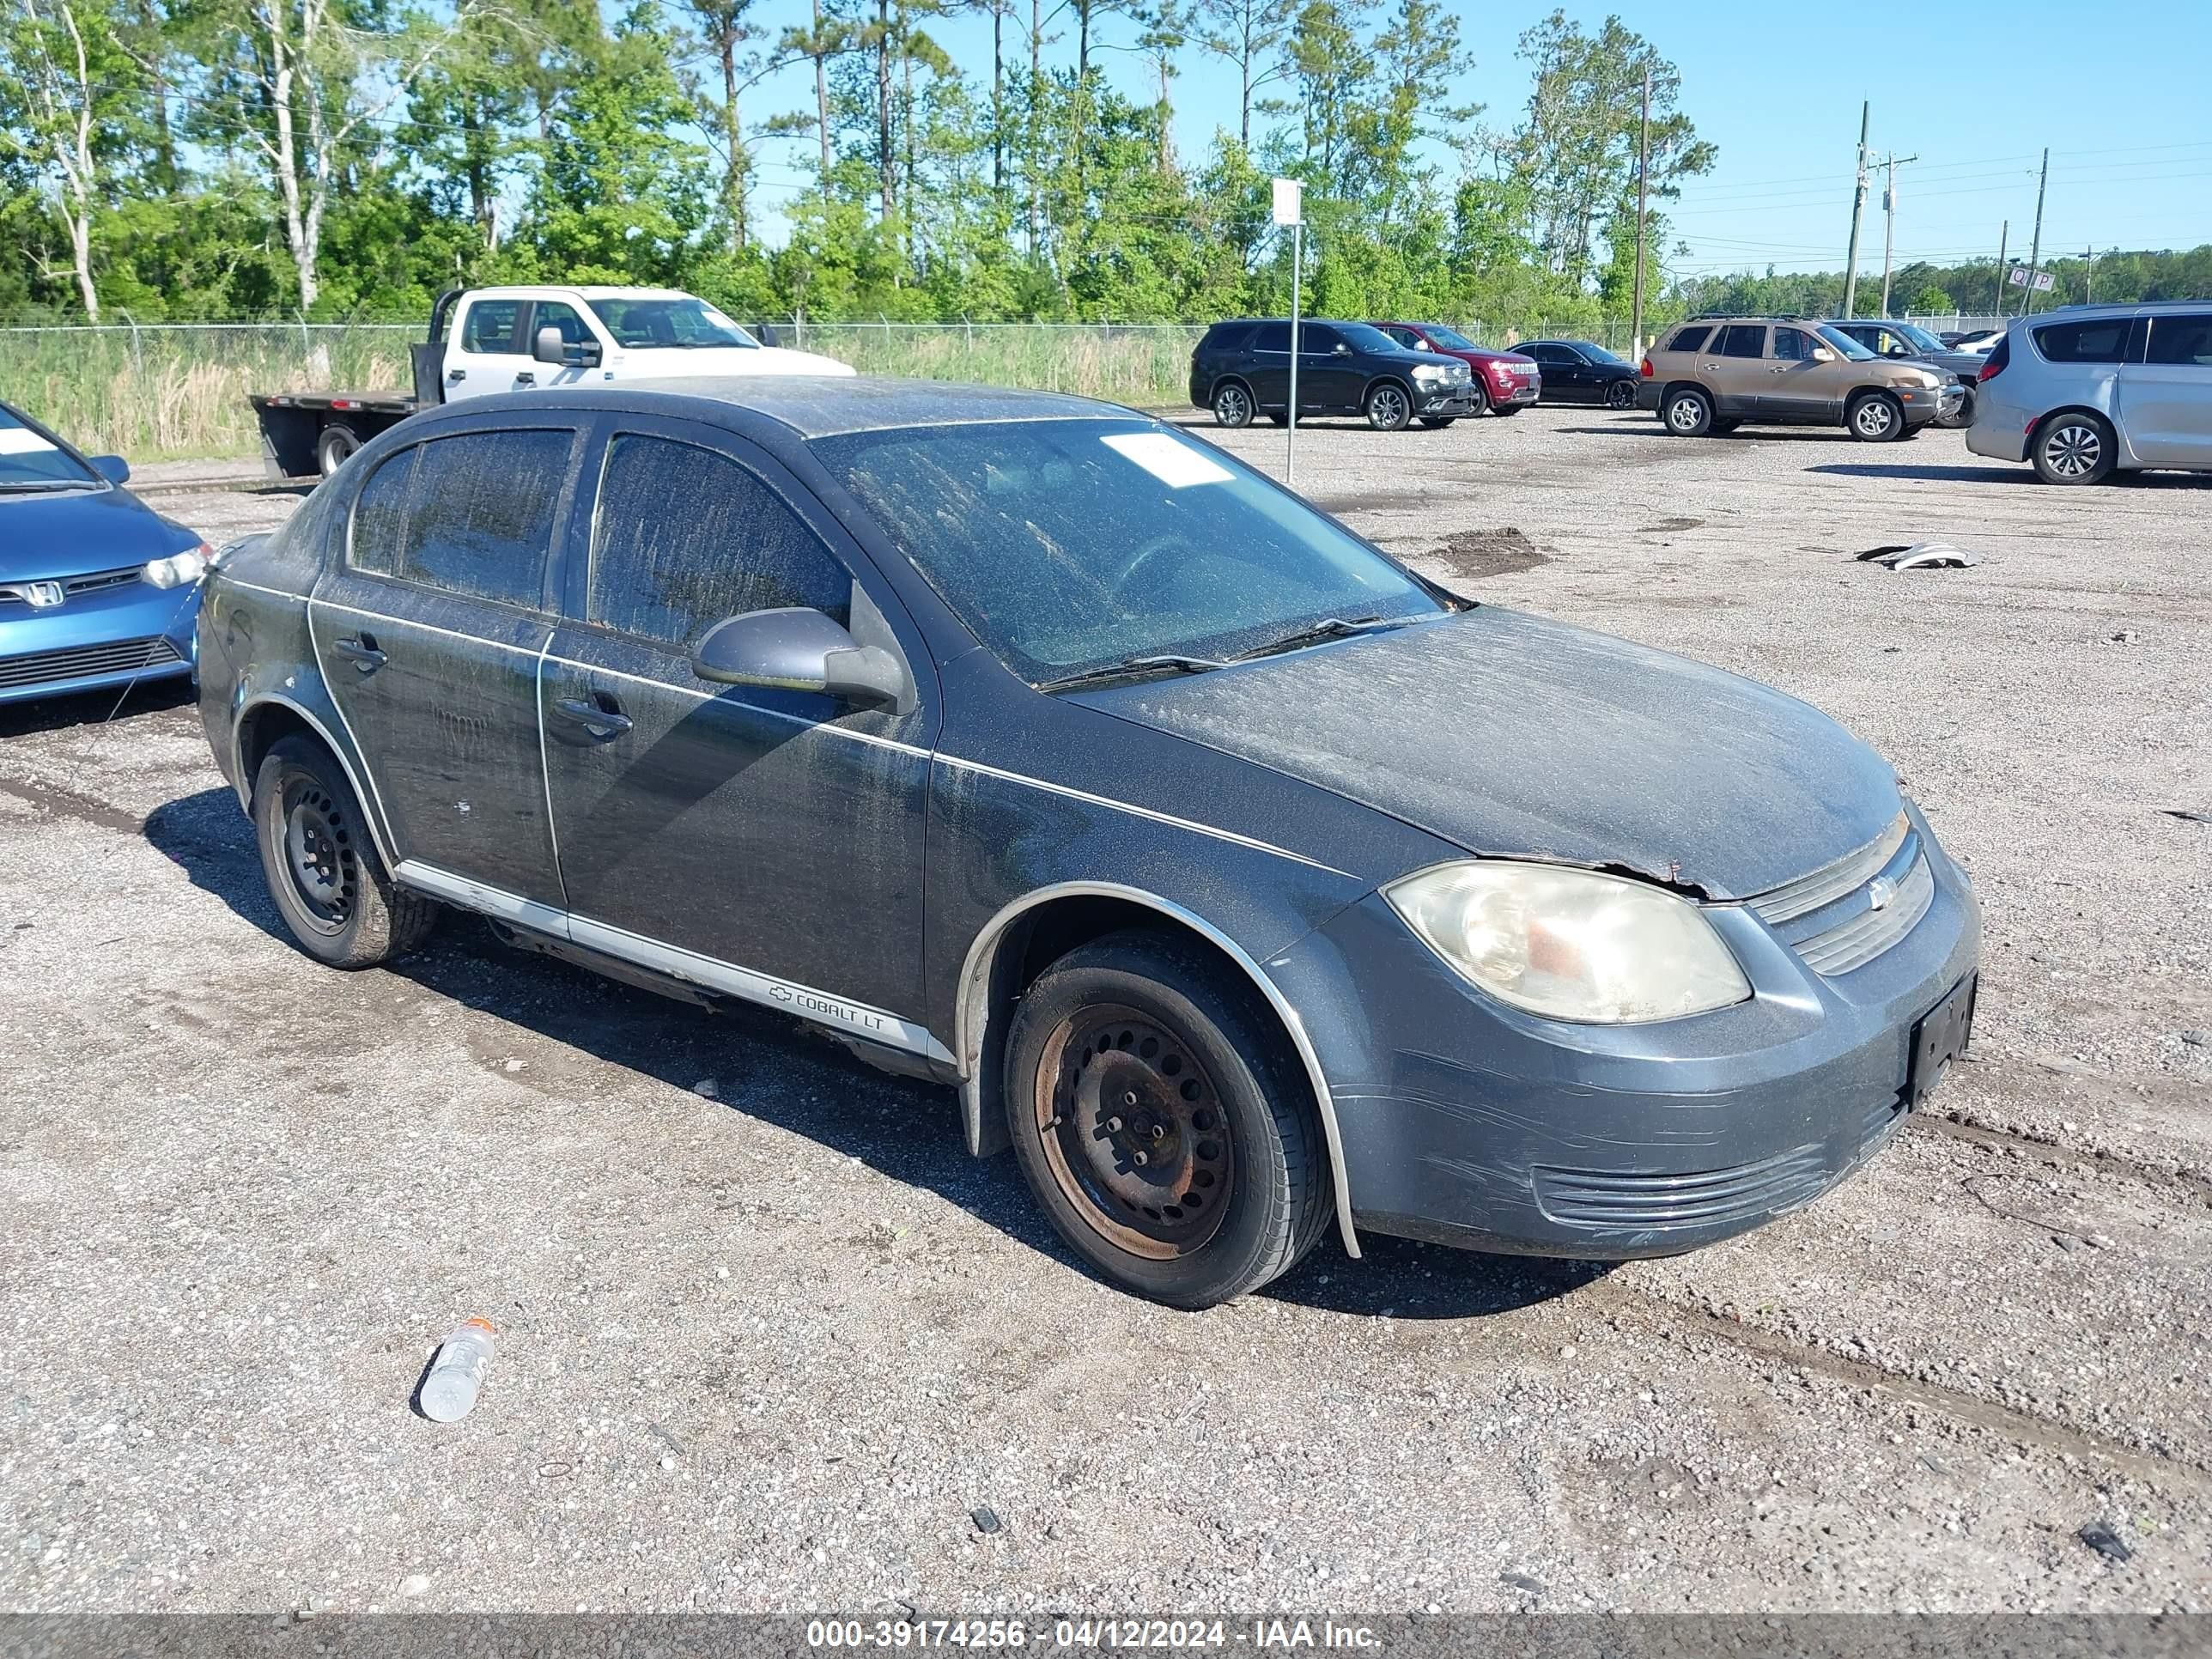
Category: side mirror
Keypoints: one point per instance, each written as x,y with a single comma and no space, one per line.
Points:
1822,355
114,468
1343,349
798,649
550,347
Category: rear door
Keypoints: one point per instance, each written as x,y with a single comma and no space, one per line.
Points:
1735,368
2165,395
767,842
428,633
1267,365
487,352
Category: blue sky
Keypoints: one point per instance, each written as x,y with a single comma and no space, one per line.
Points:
2119,92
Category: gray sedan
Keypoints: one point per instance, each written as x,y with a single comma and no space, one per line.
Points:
1243,882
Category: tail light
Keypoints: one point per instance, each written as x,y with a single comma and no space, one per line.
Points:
2000,354
1647,368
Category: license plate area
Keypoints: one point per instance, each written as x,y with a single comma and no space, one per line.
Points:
1939,1037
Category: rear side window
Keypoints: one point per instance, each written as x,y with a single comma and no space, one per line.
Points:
480,514
2185,339
1273,336
1691,337
2104,340
1743,340
685,536
1225,337
379,516
490,326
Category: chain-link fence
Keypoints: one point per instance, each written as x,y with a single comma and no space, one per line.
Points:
179,389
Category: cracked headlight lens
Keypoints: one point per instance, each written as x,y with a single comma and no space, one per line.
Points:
1571,944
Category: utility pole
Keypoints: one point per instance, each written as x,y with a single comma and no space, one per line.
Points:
1858,207
1889,222
1643,173
2035,247
2090,276
1996,294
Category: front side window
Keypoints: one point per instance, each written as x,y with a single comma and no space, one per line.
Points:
2102,341
2185,340
1320,337
1070,545
559,313
1363,336
1743,340
480,514
1597,354
685,538
1449,339
490,326
1404,336
676,324
1793,345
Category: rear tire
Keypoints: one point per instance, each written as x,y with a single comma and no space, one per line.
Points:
1874,417
1437,423
1687,413
1232,404
2073,449
1389,407
336,442
1160,1122
320,861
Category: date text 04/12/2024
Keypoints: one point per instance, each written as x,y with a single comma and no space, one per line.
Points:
1110,1633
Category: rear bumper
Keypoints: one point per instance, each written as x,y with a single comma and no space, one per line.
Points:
1999,431
97,641
1647,396
1467,1123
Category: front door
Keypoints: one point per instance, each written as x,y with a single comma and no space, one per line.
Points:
766,843
486,352
1329,380
1566,376
2166,399
428,634
1799,386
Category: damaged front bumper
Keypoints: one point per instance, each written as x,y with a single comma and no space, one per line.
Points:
1467,1122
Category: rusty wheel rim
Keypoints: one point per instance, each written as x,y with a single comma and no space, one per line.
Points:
1134,1132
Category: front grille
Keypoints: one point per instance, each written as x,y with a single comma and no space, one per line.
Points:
1832,919
93,582
1604,1198
114,657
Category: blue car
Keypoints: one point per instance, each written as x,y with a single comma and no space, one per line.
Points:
96,588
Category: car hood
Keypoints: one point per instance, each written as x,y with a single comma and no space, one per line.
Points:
1514,736
47,537
717,360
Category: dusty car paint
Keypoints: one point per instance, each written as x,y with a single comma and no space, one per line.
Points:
882,875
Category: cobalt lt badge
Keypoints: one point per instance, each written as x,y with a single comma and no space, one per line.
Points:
44,596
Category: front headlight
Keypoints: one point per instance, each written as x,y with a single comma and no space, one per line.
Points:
1431,372
179,569
1571,944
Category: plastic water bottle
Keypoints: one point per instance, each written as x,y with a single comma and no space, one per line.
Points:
458,1372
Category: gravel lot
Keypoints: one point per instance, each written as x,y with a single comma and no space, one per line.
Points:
769,1341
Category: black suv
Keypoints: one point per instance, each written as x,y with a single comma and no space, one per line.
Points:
1242,368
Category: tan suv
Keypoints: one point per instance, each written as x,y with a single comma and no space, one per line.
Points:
1713,373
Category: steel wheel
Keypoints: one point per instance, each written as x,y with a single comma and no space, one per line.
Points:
1134,1132
1621,394
320,856
1232,406
2074,449
1388,408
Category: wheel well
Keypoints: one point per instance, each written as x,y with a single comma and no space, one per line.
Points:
1385,380
1221,380
259,730
1674,386
1860,394
2049,414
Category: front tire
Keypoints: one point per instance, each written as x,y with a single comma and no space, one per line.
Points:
1232,404
1161,1123
1875,417
1621,394
321,865
2073,449
1687,413
1389,407
1510,409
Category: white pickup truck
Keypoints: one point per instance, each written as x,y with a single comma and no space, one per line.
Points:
484,340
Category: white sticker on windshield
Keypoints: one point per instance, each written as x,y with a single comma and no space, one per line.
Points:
1173,462
21,440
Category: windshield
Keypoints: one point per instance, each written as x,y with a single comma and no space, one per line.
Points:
1365,337
28,457
1450,338
1594,352
683,324
1843,343
1066,546
1919,337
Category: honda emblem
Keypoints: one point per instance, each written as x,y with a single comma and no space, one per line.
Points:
44,596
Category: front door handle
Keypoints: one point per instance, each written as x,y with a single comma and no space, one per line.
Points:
526,377
456,374
602,723
1780,370
360,651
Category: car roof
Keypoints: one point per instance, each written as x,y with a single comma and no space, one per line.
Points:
530,290
818,406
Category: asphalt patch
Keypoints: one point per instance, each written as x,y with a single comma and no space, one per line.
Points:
1477,553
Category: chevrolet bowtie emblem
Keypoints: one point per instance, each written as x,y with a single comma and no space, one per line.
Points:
1880,892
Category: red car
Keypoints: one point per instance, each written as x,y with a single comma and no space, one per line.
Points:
1505,382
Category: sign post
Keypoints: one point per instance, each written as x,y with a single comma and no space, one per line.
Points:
1289,210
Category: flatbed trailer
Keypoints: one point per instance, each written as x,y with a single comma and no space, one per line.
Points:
306,435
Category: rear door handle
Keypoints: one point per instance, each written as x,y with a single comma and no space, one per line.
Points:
601,723
360,651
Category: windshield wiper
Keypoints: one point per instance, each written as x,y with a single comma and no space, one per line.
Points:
1328,628
1130,668
41,486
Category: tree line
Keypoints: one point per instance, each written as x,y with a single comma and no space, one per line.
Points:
1976,288
347,158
